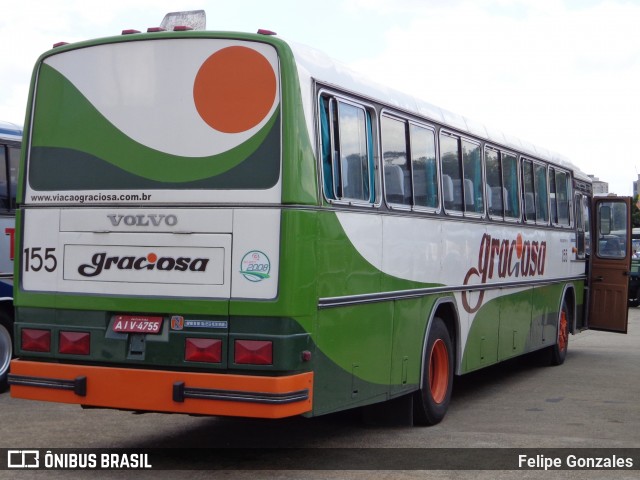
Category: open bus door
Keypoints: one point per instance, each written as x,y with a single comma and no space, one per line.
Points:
610,264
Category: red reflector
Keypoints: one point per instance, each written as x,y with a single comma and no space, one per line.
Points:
130,31
60,44
253,352
35,340
77,343
263,31
203,350
156,29
182,28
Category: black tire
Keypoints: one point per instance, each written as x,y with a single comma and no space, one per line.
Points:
559,350
432,400
6,347
635,301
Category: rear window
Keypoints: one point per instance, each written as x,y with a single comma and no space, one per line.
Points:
113,117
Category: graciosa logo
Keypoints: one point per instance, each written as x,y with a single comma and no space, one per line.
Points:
101,261
255,266
503,258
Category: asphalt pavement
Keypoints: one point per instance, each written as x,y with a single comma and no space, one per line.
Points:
592,401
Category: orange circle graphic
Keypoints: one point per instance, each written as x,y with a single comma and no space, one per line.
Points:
234,89
519,245
152,258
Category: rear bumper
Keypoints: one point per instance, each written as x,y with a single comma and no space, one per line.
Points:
163,391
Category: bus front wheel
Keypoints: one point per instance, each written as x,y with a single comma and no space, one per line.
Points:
432,400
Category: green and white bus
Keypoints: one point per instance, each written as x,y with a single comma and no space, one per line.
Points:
230,224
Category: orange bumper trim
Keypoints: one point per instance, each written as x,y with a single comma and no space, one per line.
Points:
162,390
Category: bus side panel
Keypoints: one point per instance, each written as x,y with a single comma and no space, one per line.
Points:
354,345
481,348
409,329
515,324
545,306
353,342
501,329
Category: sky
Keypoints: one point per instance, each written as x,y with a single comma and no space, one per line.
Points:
562,74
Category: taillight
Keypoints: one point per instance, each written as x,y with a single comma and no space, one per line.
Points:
35,340
203,350
76,343
253,352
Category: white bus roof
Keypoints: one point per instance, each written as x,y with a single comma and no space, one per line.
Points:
314,64
10,131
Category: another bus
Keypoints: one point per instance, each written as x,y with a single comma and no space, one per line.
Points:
10,140
230,224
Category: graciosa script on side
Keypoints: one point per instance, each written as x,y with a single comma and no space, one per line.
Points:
229,224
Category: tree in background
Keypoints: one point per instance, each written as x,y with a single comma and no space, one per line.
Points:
635,212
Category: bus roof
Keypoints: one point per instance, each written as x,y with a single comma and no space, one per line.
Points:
315,64
10,131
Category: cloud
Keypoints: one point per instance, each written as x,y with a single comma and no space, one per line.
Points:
563,78
561,74
31,27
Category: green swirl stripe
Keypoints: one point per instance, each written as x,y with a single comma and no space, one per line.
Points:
67,120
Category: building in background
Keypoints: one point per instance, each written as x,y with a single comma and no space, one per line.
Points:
599,187
636,186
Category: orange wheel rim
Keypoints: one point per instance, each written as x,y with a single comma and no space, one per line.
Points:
439,371
563,334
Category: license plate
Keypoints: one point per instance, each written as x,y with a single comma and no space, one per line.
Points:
137,324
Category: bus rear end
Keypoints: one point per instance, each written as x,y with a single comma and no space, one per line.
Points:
150,230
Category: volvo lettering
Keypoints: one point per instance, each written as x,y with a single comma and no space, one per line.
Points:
143,220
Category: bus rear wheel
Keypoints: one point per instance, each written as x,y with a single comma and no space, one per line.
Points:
432,400
559,350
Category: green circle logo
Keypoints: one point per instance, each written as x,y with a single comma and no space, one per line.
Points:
255,266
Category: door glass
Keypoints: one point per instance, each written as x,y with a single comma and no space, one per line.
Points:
612,229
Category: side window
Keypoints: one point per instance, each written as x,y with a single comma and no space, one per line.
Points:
580,240
4,184
586,213
14,162
397,172
510,184
612,228
583,232
472,172
553,204
347,153
451,172
563,194
424,167
461,175
528,191
541,193
495,199
502,184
